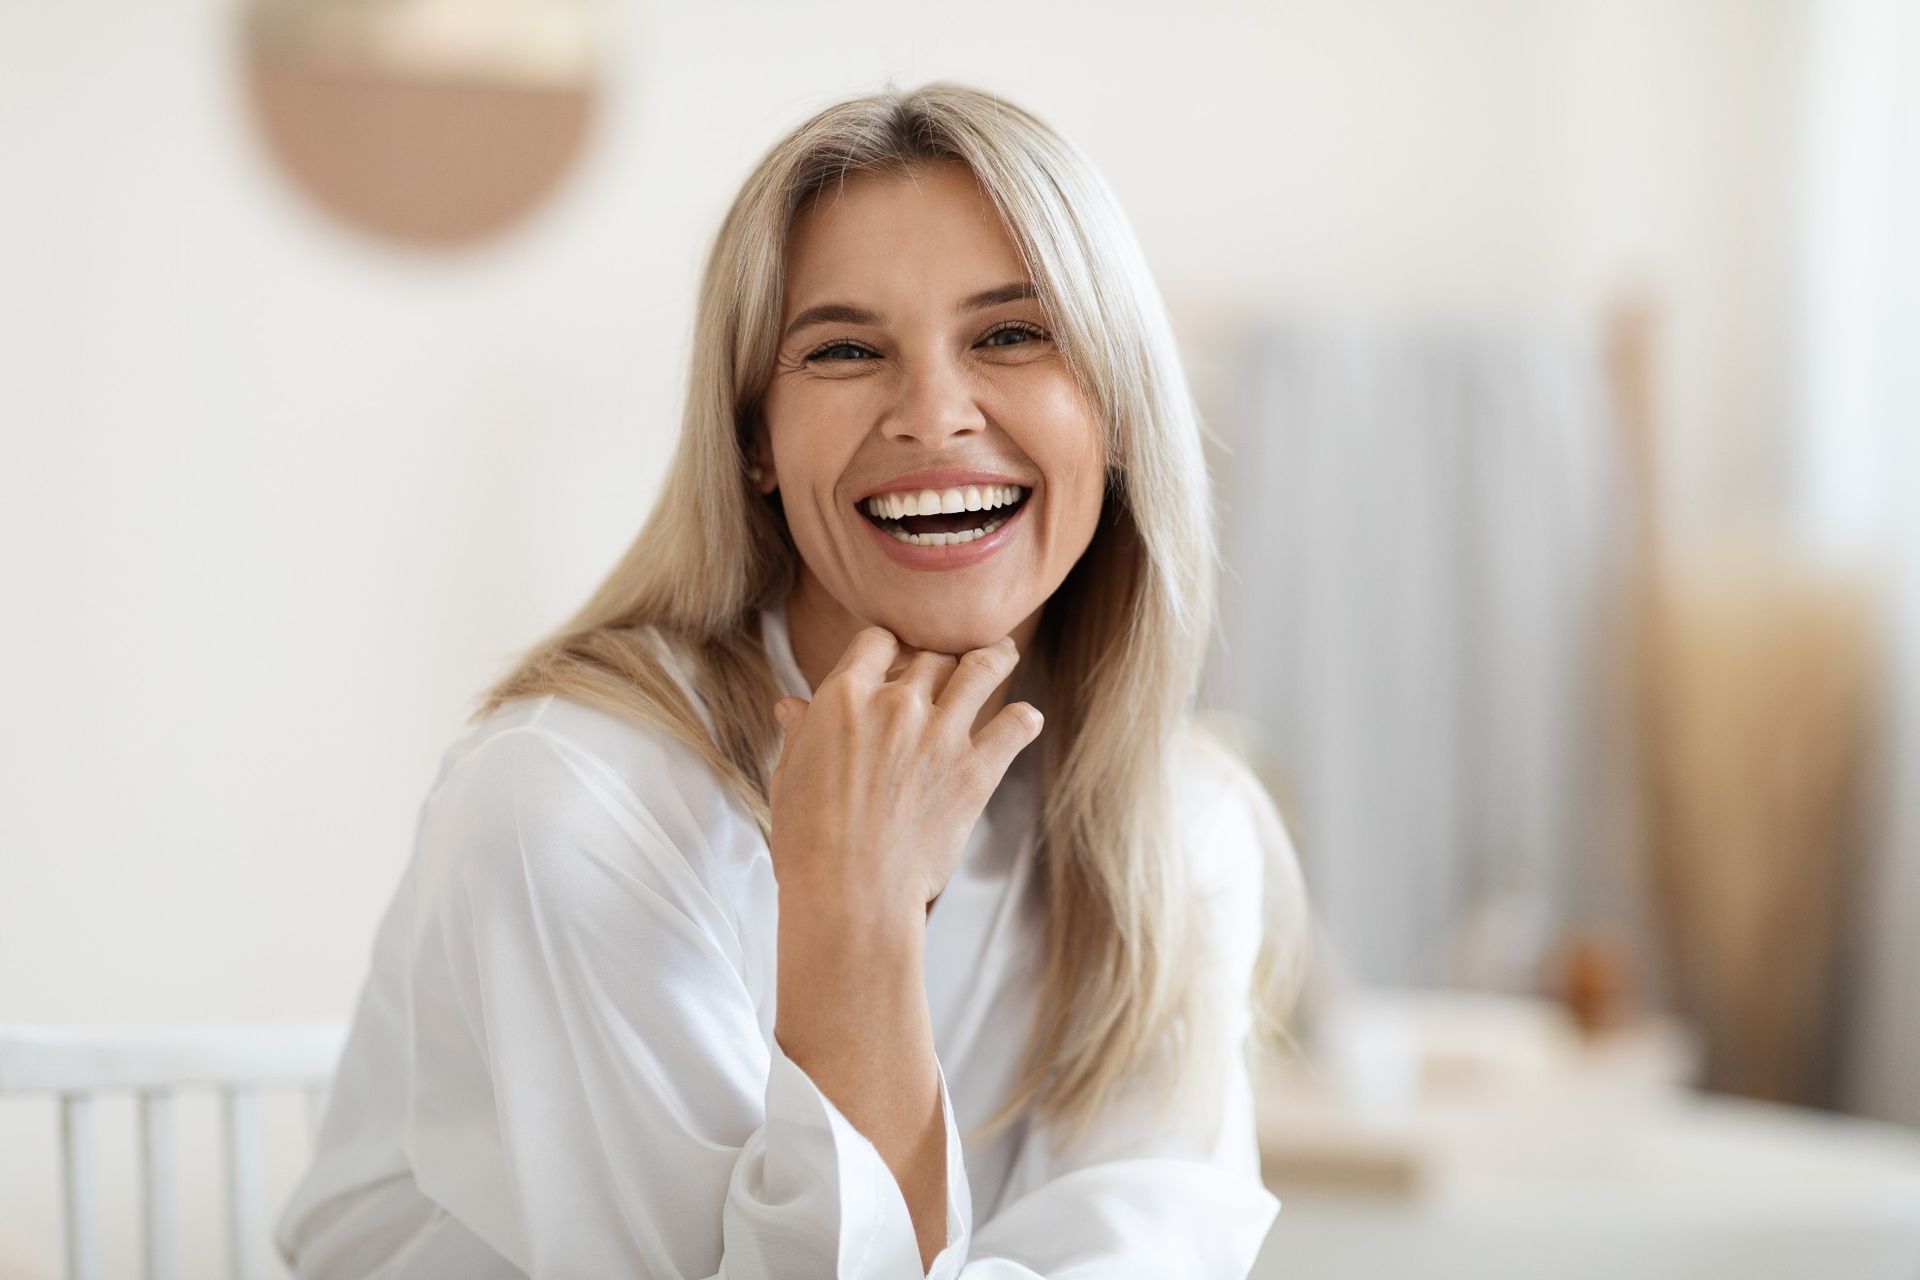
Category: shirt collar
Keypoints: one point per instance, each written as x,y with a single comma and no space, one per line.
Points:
779,644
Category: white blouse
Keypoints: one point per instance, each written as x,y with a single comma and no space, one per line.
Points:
562,1063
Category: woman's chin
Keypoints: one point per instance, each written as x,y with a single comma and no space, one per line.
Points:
946,634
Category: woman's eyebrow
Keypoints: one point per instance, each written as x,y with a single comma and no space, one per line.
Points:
847,313
1005,293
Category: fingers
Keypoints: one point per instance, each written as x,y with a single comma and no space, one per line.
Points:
869,654
979,673
927,672
788,713
1015,726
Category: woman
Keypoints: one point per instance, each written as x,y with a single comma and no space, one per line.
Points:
751,889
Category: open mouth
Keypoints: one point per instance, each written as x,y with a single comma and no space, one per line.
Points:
939,518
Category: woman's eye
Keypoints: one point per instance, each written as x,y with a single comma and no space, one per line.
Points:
843,351
829,351
1023,331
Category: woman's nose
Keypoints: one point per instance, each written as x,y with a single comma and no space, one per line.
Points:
936,402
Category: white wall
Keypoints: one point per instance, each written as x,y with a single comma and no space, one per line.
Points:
276,501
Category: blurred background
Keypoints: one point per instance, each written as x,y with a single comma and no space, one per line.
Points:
1563,363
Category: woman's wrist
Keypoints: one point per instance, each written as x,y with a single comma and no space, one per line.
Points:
868,937
850,1000
841,904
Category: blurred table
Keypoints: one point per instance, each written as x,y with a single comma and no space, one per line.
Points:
1587,1165
1707,1188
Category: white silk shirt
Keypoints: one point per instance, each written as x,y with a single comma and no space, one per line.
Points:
562,1064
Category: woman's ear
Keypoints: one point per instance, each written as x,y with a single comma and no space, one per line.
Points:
760,470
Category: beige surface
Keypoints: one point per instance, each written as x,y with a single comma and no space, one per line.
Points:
1505,1146
1706,1190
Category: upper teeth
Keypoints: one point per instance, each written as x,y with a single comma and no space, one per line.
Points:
927,502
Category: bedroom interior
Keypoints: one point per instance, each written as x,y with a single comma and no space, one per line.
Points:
1555,360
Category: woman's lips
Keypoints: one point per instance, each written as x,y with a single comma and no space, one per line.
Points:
953,555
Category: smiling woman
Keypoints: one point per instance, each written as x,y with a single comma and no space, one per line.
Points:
917,387
743,896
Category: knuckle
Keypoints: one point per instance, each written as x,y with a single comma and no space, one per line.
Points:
981,660
898,699
934,663
869,644
900,728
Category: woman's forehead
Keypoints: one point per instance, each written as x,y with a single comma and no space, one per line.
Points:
932,236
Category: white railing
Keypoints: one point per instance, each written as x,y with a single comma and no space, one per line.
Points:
238,1065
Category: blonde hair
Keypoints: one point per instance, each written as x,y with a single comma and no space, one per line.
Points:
1121,642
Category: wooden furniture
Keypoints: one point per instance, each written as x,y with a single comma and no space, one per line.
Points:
154,1066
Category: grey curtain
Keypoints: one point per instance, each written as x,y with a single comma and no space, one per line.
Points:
1423,531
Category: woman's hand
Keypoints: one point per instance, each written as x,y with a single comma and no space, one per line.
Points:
881,777
880,780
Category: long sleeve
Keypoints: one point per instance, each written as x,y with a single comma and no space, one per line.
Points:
1135,1198
594,1088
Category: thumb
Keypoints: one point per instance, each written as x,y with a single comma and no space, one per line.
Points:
789,712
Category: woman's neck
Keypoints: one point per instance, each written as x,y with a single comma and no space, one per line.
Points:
820,628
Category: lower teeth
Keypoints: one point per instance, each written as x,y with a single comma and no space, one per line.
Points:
946,539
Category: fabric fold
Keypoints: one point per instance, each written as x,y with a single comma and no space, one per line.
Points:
809,1164
563,1066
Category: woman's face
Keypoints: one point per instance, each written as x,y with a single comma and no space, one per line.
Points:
939,466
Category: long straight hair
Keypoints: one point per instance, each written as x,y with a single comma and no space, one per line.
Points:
1121,642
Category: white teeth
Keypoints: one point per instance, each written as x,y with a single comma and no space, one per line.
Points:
926,502
947,539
